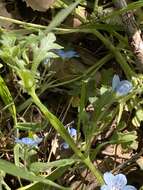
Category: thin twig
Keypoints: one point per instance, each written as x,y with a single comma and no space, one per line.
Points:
126,163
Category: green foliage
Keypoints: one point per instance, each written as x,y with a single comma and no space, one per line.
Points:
125,139
42,51
30,126
22,173
102,117
7,98
41,167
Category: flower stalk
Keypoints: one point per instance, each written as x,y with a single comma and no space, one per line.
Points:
56,123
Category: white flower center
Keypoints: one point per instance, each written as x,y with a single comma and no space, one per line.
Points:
116,188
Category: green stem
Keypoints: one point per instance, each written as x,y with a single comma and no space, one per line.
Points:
82,105
5,185
95,5
56,123
26,24
119,58
45,86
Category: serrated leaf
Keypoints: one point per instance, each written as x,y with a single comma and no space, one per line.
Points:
47,42
42,51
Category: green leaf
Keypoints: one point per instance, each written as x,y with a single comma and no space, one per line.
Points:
56,174
7,98
28,80
107,75
29,126
138,118
17,154
122,125
11,169
40,167
125,139
47,43
102,103
61,16
8,40
42,51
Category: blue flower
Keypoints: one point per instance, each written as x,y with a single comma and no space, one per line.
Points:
121,87
117,182
28,141
65,145
72,132
67,54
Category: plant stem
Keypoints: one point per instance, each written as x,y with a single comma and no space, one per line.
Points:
93,69
119,58
82,105
56,123
26,24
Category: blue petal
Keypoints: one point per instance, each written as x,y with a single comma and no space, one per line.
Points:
119,181
70,54
115,82
129,187
26,141
123,88
105,187
72,132
108,178
67,54
60,52
65,145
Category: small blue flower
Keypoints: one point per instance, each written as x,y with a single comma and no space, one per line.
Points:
72,132
67,54
117,182
65,145
28,141
121,87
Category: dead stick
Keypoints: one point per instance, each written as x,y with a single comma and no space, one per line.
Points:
133,32
126,163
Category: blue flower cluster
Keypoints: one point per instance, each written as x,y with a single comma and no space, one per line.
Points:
66,54
29,141
73,133
116,182
121,88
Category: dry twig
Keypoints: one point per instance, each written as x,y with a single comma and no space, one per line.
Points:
133,32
